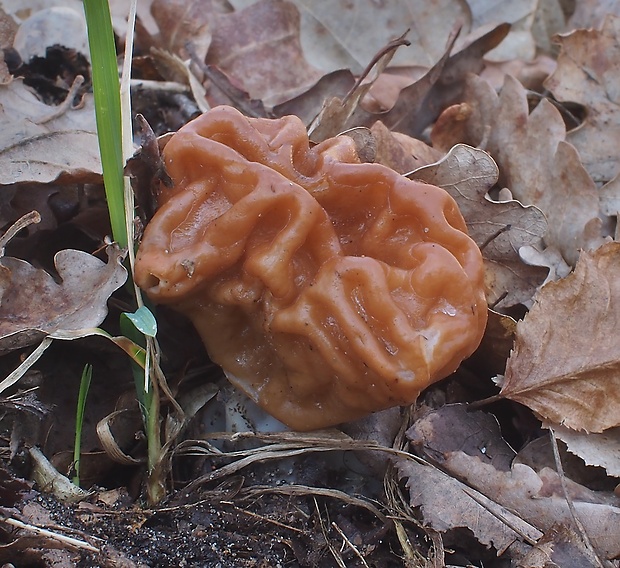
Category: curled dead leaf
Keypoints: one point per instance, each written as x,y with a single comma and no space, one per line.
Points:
598,449
35,148
33,304
500,228
470,448
535,161
259,47
566,361
587,74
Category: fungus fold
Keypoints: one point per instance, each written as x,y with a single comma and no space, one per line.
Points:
325,288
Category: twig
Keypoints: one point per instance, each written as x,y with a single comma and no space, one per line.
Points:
337,556
70,541
166,86
67,104
391,47
25,365
571,507
265,519
350,544
24,221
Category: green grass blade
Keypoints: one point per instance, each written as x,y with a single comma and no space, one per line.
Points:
106,88
87,375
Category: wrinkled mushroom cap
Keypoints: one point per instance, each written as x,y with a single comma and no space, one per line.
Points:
325,288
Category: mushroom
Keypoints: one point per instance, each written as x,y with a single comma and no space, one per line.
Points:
325,288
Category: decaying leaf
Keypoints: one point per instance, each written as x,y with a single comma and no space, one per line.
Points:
337,113
181,22
419,104
566,361
36,145
259,47
532,23
561,546
341,34
469,446
602,449
592,13
400,152
550,258
535,161
448,504
490,357
421,101
587,73
499,228
33,304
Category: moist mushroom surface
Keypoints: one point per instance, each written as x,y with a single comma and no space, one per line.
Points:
325,288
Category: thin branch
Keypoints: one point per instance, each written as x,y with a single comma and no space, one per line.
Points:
571,507
70,541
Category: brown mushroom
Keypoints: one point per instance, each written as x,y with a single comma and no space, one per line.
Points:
325,288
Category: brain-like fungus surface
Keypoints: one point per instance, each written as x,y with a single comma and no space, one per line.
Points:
325,288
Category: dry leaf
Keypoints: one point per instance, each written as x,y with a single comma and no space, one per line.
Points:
401,152
308,105
566,361
531,74
539,454
550,258
338,115
58,25
500,229
8,27
448,504
339,34
535,162
592,13
33,304
37,146
419,104
491,356
602,450
536,498
588,73
187,21
259,47
560,547
519,44
533,23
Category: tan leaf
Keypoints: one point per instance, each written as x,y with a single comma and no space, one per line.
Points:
183,21
469,446
52,26
500,229
338,114
341,34
588,73
259,47
419,104
37,146
33,304
448,504
401,152
592,13
491,356
566,361
550,258
535,161
561,546
8,27
519,44
602,450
